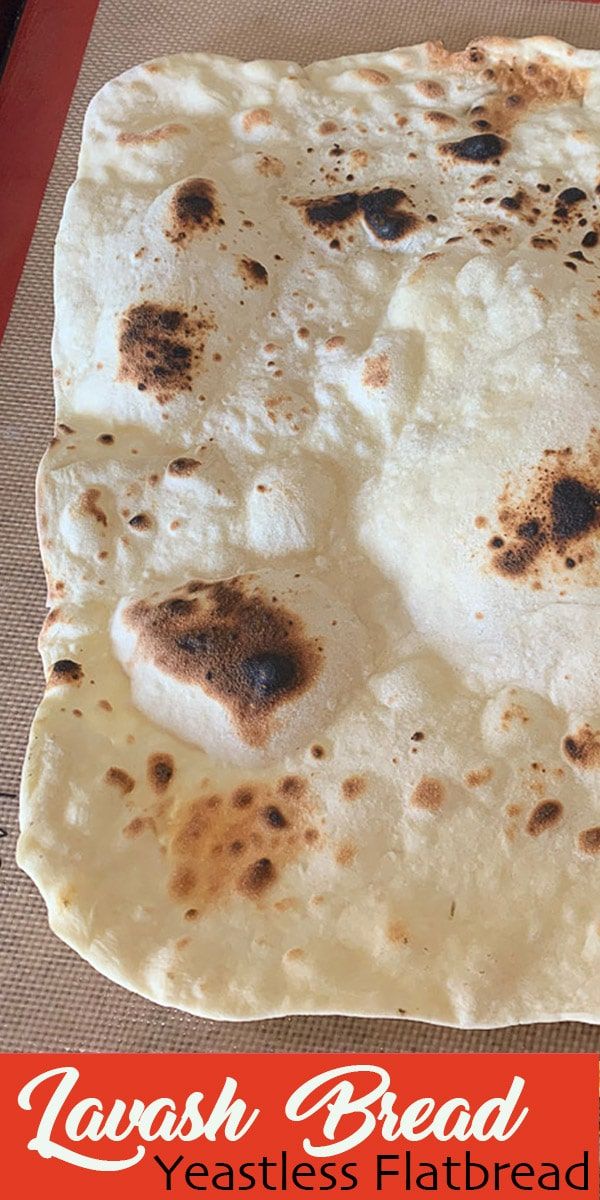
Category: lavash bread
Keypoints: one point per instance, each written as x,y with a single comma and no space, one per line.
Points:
321,730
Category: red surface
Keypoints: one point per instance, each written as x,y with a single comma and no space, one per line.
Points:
35,91
534,1110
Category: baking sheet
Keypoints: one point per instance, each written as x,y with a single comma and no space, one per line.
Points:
51,1000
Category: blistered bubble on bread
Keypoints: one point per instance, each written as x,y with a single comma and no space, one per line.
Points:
247,668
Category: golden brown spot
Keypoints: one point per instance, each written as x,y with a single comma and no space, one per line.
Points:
514,810
292,786
480,522
328,127
65,671
589,840
556,514
258,877
335,343
118,778
377,78
429,794
160,770
295,953
242,797
181,883
543,243
240,843
430,88
376,371
194,209
475,779
184,466
252,273
105,705
139,825
397,934
518,86
345,854
254,118
515,712
160,347
317,751
441,119
89,506
359,158
353,786
544,816
583,748
268,165
151,136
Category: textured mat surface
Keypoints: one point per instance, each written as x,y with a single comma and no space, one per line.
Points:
50,999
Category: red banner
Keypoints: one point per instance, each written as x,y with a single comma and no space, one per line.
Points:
287,1125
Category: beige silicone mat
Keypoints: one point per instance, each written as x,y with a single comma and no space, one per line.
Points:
50,999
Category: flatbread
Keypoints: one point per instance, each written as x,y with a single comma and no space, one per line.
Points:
321,730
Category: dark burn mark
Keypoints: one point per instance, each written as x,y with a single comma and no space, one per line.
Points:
269,675
544,816
253,273
194,209
590,239
160,771
512,203
564,204
570,196
332,210
258,877
158,348
233,640
582,749
384,218
574,509
183,466
105,439
558,511
274,817
380,210
483,147
529,530
141,522
66,671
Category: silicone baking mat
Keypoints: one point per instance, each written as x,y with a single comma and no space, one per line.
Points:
51,1000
